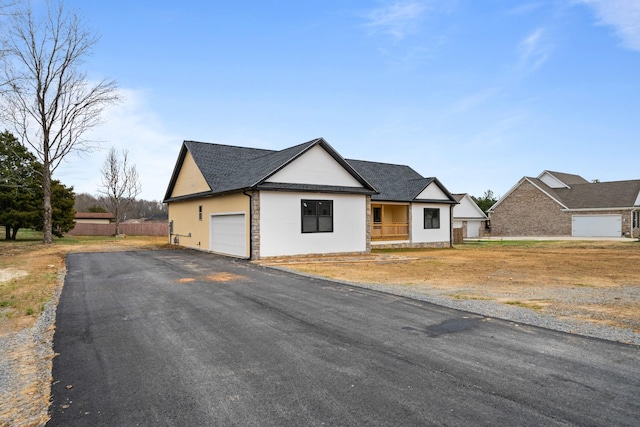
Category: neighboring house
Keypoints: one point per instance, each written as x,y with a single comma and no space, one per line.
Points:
307,199
93,217
561,204
468,216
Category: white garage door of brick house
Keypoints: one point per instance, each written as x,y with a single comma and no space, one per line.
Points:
596,226
228,234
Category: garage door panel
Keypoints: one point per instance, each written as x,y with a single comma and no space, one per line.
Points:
228,234
609,225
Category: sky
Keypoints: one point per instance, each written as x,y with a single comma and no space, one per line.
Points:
475,93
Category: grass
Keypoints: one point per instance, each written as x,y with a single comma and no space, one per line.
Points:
526,304
23,298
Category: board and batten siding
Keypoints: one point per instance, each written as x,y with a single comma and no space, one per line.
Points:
281,224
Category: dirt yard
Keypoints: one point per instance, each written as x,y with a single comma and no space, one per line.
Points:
586,281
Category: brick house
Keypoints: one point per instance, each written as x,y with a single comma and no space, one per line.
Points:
561,204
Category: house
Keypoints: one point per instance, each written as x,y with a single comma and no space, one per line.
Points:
468,216
306,199
93,217
562,204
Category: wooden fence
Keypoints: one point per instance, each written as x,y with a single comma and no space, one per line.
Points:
458,236
128,228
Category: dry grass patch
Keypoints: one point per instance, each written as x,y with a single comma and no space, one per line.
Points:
594,281
29,271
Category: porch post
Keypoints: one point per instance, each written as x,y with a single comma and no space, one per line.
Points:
410,222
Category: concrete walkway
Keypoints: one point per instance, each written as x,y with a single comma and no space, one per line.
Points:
585,239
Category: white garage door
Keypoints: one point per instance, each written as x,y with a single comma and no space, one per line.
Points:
228,234
473,229
597,226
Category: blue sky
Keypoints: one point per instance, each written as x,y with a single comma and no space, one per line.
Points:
476,93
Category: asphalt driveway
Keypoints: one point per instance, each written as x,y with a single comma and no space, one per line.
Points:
187,338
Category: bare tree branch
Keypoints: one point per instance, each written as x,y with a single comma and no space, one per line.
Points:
48,101
120,184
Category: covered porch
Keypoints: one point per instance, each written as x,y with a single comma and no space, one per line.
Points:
390,222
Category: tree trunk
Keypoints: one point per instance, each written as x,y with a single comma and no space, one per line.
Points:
14,233
7,232
46,186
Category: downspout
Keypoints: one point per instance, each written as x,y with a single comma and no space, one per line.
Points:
250,224
451,225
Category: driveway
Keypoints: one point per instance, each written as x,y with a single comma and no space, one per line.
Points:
188,338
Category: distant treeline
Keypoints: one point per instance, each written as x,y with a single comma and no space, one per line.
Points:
148,209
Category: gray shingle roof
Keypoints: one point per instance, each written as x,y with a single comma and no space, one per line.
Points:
397,183
568,178
229,168
601,195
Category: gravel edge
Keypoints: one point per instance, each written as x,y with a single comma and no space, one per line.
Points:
25,394
33,408
519,315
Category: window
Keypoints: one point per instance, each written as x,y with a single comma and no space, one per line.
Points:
431,218
317,216
377,215
200,212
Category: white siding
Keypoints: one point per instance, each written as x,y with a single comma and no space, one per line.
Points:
422,235
552,181
281,229
467,209
315,166
432,192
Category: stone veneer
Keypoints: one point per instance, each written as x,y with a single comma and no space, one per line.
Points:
409,245
255,225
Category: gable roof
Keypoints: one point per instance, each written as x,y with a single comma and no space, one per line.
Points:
600,195
466,201
582,194
229,168
396,183
565,178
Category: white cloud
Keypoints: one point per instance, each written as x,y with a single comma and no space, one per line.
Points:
131,125
397,19
623,15
534,50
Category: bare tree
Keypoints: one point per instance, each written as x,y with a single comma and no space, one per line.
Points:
120,184
49,102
